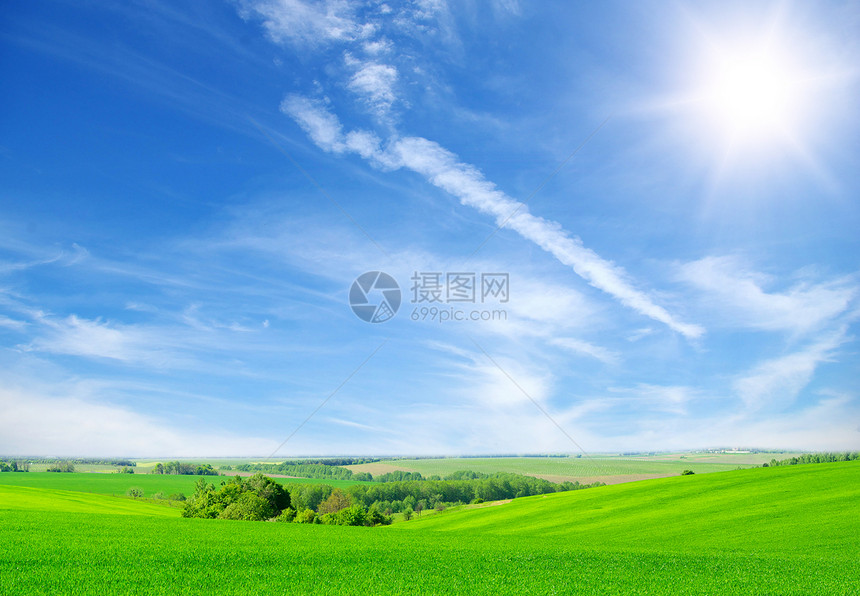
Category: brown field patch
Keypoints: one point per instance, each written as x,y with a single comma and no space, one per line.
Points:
377,468
616,479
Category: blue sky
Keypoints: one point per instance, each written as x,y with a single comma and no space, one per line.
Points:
187,193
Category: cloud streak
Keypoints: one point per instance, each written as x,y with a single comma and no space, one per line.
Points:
442,169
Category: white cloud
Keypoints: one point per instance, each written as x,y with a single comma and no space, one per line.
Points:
12,323
33,423
579,346
374,84
776,383
665,398
377,47
738,295
84,337
320,125
310,23
442,169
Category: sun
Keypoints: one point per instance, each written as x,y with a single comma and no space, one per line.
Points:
754,94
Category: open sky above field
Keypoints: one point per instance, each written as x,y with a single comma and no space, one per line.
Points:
656,203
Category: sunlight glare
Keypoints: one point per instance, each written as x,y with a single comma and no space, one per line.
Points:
753,95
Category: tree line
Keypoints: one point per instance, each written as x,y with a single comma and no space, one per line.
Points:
306,470
14,466
186,469
815,458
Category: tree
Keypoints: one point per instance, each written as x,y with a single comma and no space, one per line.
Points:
335,502
407,514
134,491
268,489
419,507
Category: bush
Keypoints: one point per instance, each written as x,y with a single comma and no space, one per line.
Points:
355,515
134,491
687,473
177,497
286,516
305,516
249,507
159,495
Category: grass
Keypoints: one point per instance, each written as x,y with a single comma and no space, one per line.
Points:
786,510
791,530
118,484
20,499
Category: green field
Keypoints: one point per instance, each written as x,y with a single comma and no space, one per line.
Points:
118,484
608,469
788,530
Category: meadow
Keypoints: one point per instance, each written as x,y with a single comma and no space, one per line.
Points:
788,530
586,469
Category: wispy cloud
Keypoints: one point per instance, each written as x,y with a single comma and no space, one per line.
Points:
442,169
731,288
585,348
374,84
777,382
312,23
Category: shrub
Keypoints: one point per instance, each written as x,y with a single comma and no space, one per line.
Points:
134,491
305,516
687,473
355,515
177,497
287,516
249,507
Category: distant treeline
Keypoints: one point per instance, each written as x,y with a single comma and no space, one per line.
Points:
562,455
14,466
327,461
305,470
816,458
185,469
77,460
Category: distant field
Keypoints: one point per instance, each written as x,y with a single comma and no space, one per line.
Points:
104,468
608,469
22,498
779,531
118,484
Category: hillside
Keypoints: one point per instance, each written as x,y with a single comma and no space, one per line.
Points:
16,499
790,510
787,531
